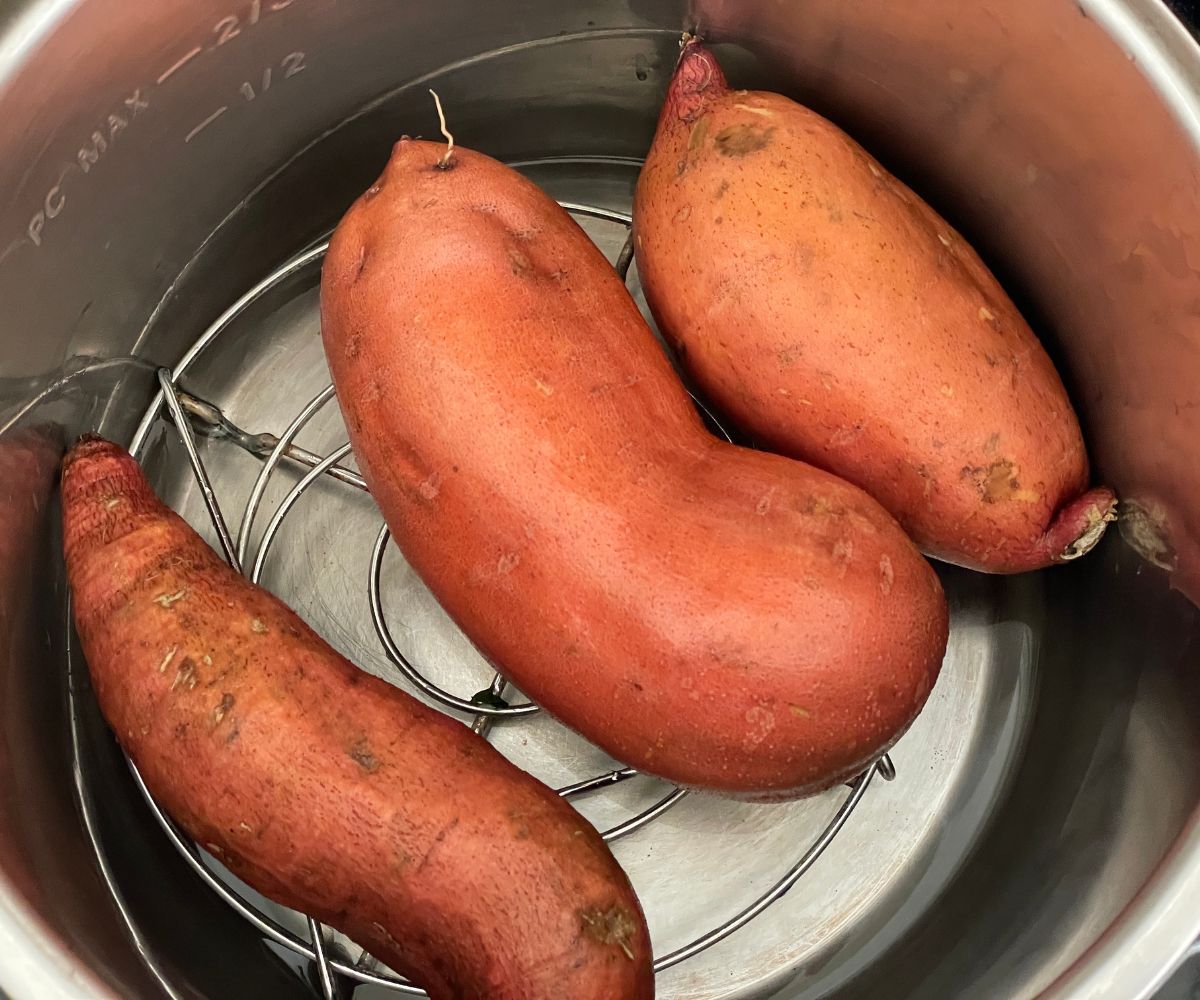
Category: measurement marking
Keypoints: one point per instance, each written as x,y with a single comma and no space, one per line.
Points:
11,248
226,29
207,121
167,74
292,64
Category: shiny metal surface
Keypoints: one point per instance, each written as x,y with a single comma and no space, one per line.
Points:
1041,832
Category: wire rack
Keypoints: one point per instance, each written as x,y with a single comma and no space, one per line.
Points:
191,415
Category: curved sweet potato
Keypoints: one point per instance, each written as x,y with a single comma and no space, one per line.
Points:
324,787
833,314
722,617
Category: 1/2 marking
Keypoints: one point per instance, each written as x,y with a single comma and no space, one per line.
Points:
291,64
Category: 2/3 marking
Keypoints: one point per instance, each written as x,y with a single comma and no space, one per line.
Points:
230,26
226,29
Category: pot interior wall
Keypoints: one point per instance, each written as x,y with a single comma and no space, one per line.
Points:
158,164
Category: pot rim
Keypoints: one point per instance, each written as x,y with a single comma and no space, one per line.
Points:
1146,942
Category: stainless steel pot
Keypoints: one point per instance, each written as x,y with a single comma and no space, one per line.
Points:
167,173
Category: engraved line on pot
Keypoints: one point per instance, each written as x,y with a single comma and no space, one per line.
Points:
176,66
207,121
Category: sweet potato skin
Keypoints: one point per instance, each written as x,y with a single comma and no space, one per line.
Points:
728,619
835,316
324,787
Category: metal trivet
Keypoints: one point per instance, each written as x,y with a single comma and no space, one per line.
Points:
190,414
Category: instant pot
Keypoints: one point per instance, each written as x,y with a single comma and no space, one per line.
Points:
169,174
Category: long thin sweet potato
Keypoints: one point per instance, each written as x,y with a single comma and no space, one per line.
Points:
324,787
722,617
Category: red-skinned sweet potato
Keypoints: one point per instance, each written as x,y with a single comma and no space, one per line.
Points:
834,315
324,787
725,618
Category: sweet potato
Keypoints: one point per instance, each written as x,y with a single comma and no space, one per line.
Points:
832,314
725,618
324,787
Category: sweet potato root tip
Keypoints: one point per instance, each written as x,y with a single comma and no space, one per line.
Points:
1090,517
446,162
698,80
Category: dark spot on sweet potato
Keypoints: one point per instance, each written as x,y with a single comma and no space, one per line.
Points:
742,140
362,756
614,926
721,189
185,676
442,834
998,482
222,709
